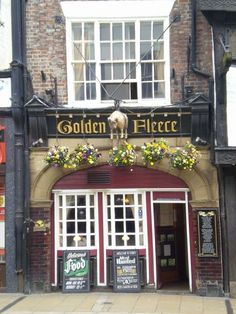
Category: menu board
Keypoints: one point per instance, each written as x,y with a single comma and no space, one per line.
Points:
207,233
126,271
76,271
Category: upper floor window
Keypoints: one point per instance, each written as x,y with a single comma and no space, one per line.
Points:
124,58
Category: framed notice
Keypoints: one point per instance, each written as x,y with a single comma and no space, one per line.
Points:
207,233
76,275
126,271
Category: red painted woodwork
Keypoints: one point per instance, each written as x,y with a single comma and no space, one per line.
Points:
168,195
135,177
101,237
150,239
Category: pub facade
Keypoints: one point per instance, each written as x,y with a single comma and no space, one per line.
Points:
112,81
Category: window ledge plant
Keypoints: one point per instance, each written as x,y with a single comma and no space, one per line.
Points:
184,158
57,156
154,151
123,155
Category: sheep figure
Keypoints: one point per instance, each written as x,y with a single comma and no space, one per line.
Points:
118,122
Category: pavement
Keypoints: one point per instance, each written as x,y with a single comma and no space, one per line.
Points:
117,303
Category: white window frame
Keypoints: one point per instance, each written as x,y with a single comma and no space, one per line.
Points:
136,219
112,11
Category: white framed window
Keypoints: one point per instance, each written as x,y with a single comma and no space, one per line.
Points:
118,53
75,220
125,215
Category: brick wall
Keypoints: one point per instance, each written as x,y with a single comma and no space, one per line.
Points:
46,50
40,252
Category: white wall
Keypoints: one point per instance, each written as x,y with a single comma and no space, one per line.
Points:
231,105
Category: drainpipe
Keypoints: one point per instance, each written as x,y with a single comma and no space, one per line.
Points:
194,68
18,119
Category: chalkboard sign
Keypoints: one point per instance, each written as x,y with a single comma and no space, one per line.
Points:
126,271
207,234
76,271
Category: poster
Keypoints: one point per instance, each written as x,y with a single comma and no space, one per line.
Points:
126,271
76,271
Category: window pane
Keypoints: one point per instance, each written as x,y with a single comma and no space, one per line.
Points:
146,69
118,71
106,71
60,228
92,239
117,31
91,91
77,51
140,226
70,241
92,229
140,199
108,200
141,239
81,200
145,51
119,241
124,91
82,241
91,199
145,30
129,31
105,51
60,241
118,212
60,200
91,213
79,72
130,51
159,71
77,31
109,213
70,200
158,51
109,226
117,51
89,51
104,31
131,70
131,240
129,212
90,72
147,90
140,213
130,226
81,227
70,214
159,90
109,240
129,199
60,213
157,30
79,91
119,199
81,213
88,31
70,227
119,226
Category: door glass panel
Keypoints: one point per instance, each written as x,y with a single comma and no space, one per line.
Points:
70,200
81,200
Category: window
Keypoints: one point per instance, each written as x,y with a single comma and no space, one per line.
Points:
125,220
125,58
75,221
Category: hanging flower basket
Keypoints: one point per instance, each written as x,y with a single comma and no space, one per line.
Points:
83,155
123,155
154,151
57,156
185,158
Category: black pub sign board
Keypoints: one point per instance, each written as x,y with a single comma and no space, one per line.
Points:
76,276
207,233
126,271
139,124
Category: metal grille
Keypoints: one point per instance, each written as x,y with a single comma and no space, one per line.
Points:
97,177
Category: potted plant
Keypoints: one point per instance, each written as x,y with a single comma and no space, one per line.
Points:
154,151
57,156
123,155
184,158
85,154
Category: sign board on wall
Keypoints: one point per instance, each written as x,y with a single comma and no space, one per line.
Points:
207,233
126,271
139,125
76,277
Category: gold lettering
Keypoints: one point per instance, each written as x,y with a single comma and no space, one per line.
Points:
148,125
173,126
160,126
154,124
95,124
64,127
88,127
102,127
76,128
139,124
167,124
